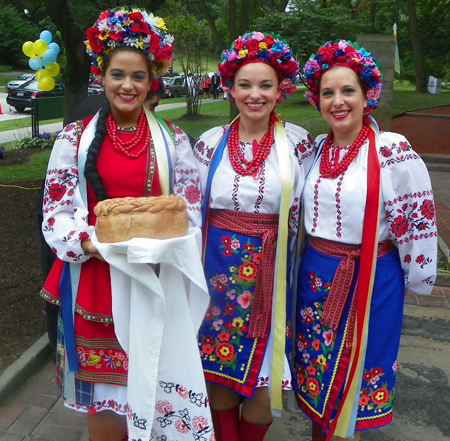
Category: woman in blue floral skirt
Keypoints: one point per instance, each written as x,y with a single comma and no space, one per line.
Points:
369,216
251,175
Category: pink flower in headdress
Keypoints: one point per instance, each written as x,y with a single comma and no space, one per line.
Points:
314,65
342,44
232,56
373,94
285,84
258,36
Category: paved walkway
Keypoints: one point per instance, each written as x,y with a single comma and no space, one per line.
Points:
422,413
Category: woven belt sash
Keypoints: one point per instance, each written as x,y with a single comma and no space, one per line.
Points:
340,286
264,226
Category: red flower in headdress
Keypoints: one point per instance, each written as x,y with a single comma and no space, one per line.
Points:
164,53
115,36
268,39
349,49
138,25
252,45
154,42
289,67
238,45
94,42
103,15
326,51
95,70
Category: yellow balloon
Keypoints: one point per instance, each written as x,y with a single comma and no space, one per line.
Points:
40,74
28,49
46,84
40,46
52,69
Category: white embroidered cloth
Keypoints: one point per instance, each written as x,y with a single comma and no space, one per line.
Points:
156,321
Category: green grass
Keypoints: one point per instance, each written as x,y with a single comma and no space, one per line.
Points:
30,171
296,110
20,123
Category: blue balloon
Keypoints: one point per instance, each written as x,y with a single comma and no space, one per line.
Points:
54,47
49,57
46,36
35,63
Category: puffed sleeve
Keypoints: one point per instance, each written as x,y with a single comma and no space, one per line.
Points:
65,214
186,182
203,150
408,200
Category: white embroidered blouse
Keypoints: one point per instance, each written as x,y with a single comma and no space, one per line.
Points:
334,208
65,214
260,193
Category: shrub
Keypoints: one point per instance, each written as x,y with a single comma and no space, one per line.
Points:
43,141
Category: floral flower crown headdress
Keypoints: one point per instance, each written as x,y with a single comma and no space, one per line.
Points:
260,47
131,27
343,53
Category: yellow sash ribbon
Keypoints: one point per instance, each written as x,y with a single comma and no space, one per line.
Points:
279,299
162,159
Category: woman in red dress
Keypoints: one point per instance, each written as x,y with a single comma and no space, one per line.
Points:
108,155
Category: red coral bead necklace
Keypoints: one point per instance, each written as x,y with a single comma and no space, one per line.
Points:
260,151
333,170
125,147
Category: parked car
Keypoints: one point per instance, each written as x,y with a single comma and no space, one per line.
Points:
19,81
173,87
20,97
93,87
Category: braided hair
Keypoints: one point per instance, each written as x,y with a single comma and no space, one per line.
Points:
91,173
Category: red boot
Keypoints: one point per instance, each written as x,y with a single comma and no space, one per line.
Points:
251,432
317,434
226,424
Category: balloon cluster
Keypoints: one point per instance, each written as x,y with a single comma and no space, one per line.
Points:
43,54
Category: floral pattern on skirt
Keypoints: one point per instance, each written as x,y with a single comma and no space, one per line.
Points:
321,360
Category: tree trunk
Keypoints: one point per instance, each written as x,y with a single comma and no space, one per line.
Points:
232,28
76,74
282,5
220,43
419,64
245,7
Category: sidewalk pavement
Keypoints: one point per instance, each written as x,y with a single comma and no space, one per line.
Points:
31,408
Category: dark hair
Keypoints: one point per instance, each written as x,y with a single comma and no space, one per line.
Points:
158,92
91,172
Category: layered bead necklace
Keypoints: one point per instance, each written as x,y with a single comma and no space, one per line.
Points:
142,137
260,151
333,170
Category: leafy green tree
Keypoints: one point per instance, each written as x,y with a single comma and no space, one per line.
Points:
15,29
307,25
192,40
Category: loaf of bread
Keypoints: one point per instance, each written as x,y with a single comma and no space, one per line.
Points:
121,219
